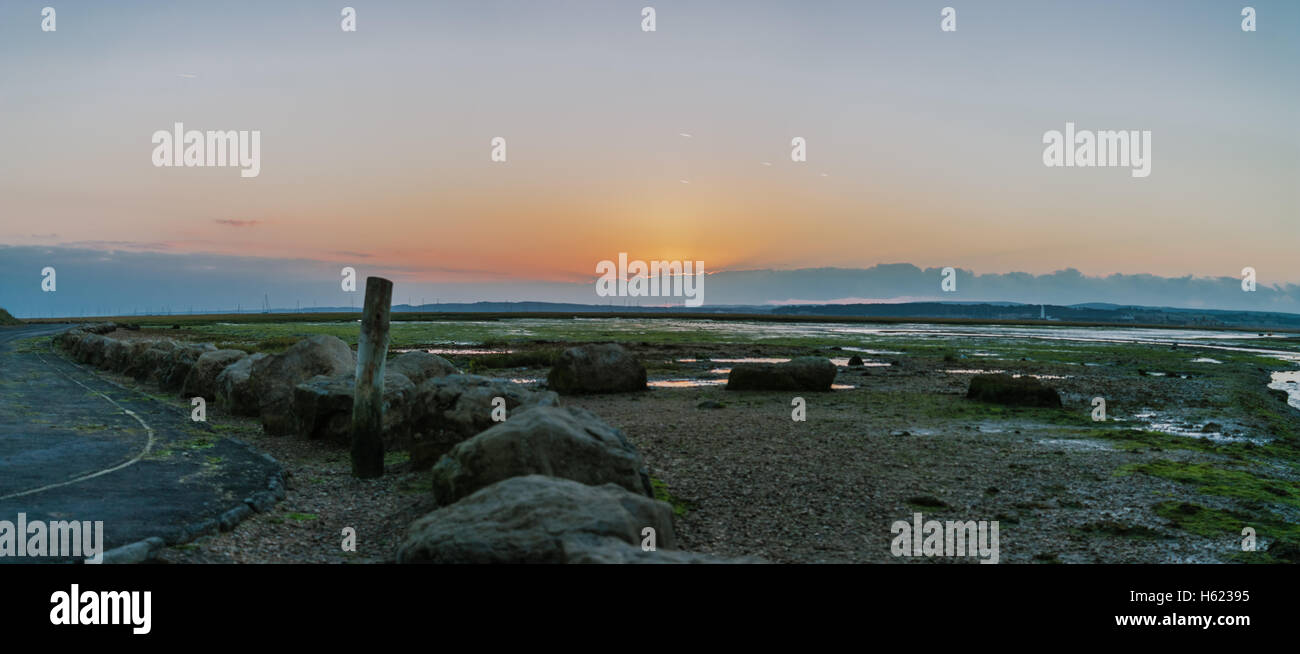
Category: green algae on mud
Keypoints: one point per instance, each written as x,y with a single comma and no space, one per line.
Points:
1237,481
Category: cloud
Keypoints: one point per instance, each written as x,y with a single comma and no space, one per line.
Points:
236,223
114,246
907,282
115,278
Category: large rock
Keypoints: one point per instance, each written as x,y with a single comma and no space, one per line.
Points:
178,364
448,410
322,408
799,374
147,359
71,339
537,519
68,340
622,553
234,387
419,365
90,349
202,380
116,355
587,369
1012,391
569,443
275,377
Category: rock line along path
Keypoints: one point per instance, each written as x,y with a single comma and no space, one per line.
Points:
76,446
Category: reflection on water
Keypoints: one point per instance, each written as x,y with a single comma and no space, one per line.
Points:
1166,425
684,383
1289,381
452,350
865,350
740,360
981,371
759,331
842,362
697,383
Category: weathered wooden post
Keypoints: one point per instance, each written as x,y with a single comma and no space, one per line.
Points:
368,398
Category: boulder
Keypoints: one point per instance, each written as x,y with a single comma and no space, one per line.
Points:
419,366
275,377
537,519
568,443
622,553
100,328
234,387
147,358
178,364
116,355
71,339
90,349
202,380
448,410
798,374
322,408
589,369
68,340
1012,391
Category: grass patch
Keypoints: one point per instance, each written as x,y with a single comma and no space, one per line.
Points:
1203,520
680,507
195,444
417,485
537,358
1211,479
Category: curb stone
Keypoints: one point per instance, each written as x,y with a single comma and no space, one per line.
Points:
137,552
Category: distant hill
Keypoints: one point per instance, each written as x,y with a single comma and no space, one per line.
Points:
6,319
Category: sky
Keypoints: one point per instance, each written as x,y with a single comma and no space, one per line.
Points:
923,147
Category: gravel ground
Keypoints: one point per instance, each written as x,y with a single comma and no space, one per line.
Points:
749,481
828,490
322,499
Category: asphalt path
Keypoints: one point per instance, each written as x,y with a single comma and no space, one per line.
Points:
74,445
